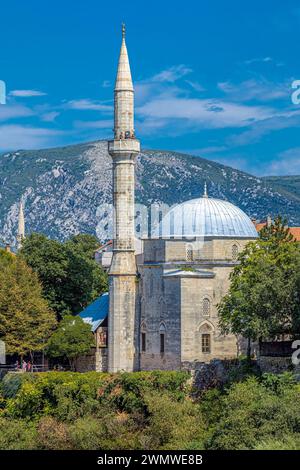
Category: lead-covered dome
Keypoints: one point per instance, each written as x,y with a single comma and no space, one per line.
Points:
206,217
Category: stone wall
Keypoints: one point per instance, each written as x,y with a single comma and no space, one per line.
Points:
275,365
160,314
96,361
216,373
210,249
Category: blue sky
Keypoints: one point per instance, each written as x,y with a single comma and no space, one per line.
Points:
212,78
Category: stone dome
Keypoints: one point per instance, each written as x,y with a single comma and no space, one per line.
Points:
206,217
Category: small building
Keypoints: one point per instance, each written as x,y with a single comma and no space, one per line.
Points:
96,315
103,254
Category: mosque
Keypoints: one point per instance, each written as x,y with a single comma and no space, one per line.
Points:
161,309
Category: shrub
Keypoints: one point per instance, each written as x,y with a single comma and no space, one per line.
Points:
53,435
126,391
291,442
17,435
252,412
11,384
172,424
87,433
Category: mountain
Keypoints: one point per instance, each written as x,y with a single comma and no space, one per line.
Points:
65,189
290,183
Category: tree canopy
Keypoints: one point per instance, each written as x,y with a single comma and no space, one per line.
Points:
73,338
26,320
70,277
264,296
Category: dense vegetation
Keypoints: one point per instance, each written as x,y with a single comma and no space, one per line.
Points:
45,282
26,320
263,300
70,277
147,410
72,339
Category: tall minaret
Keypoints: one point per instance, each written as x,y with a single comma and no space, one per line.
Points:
21,227
122,290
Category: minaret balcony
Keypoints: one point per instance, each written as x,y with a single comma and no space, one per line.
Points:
124,146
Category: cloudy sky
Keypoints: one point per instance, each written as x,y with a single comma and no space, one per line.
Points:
212,78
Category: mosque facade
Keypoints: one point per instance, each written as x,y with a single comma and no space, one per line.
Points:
161,309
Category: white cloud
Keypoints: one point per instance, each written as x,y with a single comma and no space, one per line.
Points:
207,113
259,90
280,120
287,163
172,74
50,117
14,137
260,59
88,105
264,60
206,150
101,124
13,111
195,85
27,93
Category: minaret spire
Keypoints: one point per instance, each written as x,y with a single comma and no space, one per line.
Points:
21,227
124,96
123,271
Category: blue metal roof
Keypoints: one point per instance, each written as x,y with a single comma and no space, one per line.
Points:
95,313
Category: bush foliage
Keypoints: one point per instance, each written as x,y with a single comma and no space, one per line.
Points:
147,410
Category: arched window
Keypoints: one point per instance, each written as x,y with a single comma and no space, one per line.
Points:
206,343
143,337
189,253
234,252
207,330
206,307
162,332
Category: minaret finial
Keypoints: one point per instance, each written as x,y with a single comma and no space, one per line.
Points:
205,190
123,30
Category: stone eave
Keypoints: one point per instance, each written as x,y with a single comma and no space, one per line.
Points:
190,274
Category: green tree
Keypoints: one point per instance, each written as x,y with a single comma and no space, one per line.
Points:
264,294
73,338
70,276
276,232
5,257
86,243
26,320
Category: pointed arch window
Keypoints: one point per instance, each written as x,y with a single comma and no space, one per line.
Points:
162,334
189,253
235,252
206,329
143,337
206,307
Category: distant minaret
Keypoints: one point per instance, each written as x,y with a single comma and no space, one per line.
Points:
122,291
21,227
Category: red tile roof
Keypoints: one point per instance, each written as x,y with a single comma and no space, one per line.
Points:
295,231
